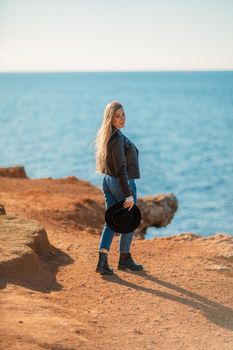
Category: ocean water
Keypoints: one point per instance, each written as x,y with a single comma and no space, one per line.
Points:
181,122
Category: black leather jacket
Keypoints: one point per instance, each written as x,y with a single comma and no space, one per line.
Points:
122,160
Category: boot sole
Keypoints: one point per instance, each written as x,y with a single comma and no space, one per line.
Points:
104,272
129,268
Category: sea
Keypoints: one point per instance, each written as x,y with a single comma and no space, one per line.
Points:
181,123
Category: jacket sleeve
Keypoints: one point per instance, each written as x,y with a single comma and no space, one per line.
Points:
118,156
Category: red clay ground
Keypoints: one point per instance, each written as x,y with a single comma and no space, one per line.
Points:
182,300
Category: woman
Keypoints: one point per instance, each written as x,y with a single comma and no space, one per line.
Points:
117,158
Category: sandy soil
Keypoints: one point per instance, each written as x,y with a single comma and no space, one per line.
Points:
182,300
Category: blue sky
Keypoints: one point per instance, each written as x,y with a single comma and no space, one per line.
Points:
122,35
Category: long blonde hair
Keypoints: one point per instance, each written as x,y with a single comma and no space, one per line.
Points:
104,134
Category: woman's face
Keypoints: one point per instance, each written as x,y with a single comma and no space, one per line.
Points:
119,118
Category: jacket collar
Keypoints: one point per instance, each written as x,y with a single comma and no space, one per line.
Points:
115,131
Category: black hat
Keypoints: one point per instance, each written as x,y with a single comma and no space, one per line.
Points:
122,219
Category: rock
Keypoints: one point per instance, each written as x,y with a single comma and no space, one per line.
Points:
2,210
156,211
23,243
17,171
220,237
186,236
216,267
78,204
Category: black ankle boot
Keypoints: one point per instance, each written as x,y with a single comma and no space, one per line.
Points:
102,266
126,262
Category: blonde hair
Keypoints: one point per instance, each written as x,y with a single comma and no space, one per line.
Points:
103,136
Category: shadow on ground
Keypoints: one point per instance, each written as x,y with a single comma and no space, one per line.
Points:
213,311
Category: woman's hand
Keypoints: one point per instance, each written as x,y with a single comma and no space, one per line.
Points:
129,202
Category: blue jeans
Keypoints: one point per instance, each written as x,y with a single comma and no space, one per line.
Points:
112,194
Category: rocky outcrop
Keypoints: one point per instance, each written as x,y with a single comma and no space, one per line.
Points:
16,171
156,211
26,255
22,242
184,292
76,203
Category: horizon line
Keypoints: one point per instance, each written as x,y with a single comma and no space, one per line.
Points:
119,71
